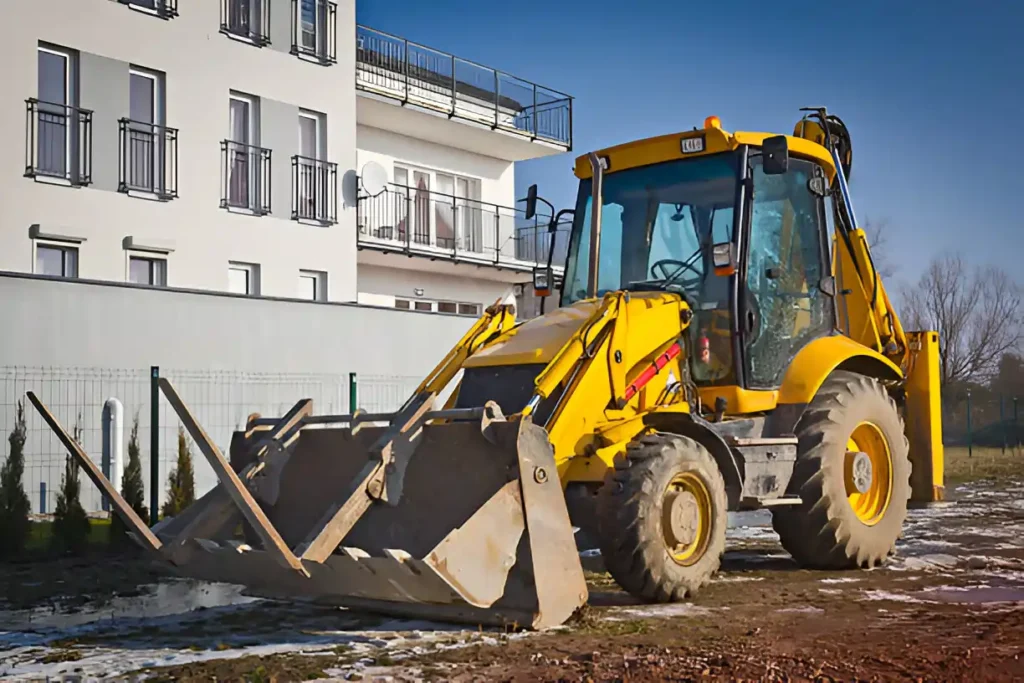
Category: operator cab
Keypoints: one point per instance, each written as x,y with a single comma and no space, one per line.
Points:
668,214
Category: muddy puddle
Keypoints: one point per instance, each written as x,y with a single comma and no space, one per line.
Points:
172,597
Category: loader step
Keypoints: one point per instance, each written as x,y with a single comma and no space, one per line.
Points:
767,465
751,503
740,442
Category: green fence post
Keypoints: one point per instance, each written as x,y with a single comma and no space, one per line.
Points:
352,393
154,444
1016,433
1002,422
970,440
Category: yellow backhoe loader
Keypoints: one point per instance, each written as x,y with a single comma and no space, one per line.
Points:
723,342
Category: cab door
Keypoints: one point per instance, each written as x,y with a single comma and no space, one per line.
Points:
786,263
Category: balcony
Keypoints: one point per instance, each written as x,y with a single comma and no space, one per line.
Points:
314,191
58,143
245,178
399,70
165,9
246,20
438,226
314,30
147,159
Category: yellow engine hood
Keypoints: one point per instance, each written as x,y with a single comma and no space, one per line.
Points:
536,340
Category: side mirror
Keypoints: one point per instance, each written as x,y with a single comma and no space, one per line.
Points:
723,257
543,278
817,187
531,201
775,155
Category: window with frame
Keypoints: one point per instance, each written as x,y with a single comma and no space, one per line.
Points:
244,278
56,260
144,142
443,209
312,175
147,270
245,161
314,35
313,285
165,9
57,122
428,305
246,19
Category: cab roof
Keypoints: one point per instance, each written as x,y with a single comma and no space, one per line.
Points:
709,140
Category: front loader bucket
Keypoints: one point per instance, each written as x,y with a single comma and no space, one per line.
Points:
472,538
431,516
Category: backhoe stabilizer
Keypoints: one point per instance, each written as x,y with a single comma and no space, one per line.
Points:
924,418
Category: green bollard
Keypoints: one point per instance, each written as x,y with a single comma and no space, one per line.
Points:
970,440
1002,422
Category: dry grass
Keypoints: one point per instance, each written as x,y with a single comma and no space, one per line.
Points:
983,463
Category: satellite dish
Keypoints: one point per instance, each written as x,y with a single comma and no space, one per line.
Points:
373,178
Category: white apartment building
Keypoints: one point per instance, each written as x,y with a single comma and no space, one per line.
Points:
267,148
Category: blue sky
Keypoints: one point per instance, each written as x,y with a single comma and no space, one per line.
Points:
933,97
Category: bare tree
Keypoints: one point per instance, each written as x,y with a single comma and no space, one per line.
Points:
877,232
976,311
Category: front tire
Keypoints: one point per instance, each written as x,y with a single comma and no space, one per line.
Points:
853,475
662,518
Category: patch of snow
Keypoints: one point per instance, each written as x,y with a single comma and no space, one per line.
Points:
925,562
675,609
1008,546
892,597
841,579
808,609
737,579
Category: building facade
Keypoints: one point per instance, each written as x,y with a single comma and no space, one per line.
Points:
268,148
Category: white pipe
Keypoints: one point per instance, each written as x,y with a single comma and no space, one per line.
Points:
113,442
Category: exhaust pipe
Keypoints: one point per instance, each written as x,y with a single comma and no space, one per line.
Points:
595,222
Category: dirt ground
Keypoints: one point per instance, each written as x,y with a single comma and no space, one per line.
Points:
949,606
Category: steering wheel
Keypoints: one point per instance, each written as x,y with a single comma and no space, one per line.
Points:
663,264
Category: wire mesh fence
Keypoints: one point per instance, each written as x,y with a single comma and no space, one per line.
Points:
983,419
221,402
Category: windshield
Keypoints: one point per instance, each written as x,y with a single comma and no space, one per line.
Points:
658,224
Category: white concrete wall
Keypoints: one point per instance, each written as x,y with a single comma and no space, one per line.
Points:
379,285
201,67
76,344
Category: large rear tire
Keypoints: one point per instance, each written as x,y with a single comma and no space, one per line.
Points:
662,518
853,474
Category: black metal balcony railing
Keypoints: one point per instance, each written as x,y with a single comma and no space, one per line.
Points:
314,30
58,142
247,19
245,177
394,67
314,190
148,158
414,220
165,9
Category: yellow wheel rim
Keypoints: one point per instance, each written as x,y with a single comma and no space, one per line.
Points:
868,473
686,518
